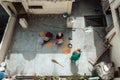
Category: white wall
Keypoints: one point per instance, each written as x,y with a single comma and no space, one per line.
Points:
115,52
49,7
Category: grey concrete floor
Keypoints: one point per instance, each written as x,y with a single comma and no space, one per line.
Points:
99,35
30,36
85,8
28,57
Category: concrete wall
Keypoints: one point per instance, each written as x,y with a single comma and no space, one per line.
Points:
115,52
8,31
7,38
6,4
117,79
49,7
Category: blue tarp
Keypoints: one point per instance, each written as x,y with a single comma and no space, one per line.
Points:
2,75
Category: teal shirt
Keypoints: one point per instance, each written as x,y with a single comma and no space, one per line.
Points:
75,56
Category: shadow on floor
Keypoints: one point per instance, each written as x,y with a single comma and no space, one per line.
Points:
74,67
87,7
99,35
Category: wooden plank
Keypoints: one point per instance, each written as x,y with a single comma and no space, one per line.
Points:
111,36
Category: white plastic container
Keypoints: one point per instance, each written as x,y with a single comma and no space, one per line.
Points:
23,23
70,21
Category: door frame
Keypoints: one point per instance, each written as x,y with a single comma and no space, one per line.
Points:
5,9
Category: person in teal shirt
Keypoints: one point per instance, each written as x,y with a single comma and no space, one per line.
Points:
76,55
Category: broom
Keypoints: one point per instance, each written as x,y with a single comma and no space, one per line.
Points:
53,60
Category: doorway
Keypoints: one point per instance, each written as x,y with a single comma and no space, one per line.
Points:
19,7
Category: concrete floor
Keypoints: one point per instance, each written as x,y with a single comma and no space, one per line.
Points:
99,35
30,39
26,54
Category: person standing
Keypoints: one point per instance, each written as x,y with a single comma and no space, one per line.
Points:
76,55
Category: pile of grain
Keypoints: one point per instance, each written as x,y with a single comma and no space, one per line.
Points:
66,49
42,34
49,44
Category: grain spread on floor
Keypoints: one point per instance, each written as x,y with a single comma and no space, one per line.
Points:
49,44
42,34
66,49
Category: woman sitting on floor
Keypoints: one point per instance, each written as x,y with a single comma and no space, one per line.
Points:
48,37
59,38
